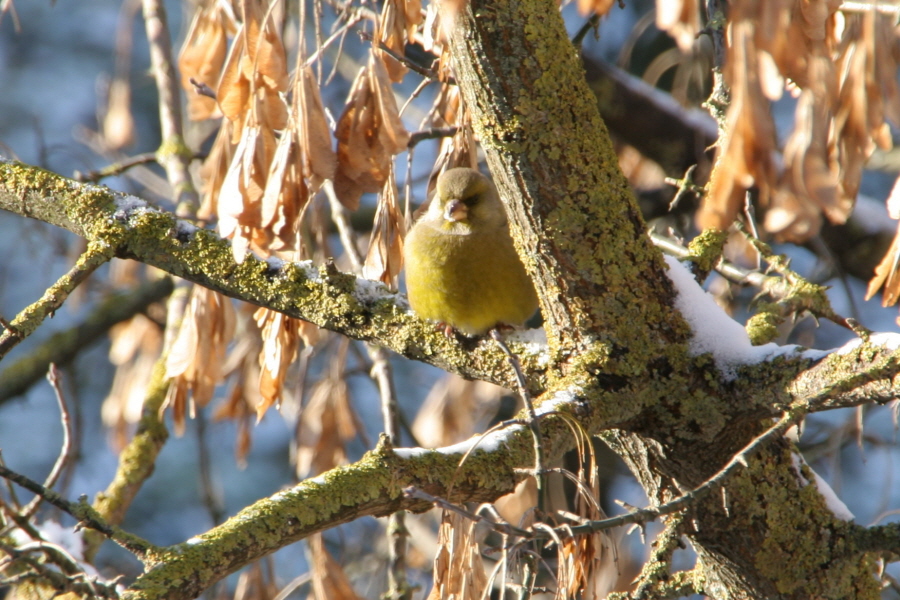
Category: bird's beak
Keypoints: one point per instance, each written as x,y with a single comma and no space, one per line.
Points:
456,210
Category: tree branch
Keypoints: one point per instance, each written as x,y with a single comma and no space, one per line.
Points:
29,319
356,307
86,516
62,347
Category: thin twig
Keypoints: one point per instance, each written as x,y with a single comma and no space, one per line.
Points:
430,134
498,526
646,515
412,66
533,423
65,454
173,155
82,512
202,89
641,516
345,229
591,23
116,168
210,499
685,185
77,583
356,18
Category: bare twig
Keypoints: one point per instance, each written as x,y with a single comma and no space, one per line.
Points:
85,515
353,20
498,526
210,498
533,422
641,516
116,168
66,454
77,583
590,24
173,155
412,66
645,515
202,89
430,134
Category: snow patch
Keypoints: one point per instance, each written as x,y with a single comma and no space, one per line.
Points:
369,291
889,341
274,263
832,501
491,441
128,203
714,331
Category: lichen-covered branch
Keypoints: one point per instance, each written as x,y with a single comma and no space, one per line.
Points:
62,347
136,461
371,487
356,307
29,319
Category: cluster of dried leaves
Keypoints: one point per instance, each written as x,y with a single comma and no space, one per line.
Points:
275,149
841,66
585,566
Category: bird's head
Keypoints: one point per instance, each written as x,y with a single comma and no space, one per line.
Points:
467,201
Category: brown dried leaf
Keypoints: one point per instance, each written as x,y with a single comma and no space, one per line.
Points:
233,91
597,7
202,57
280,342
194,361
454,410
680,19
214,171
369,134
255,75
286,194
135,348
319,160
458,568
392,133
327,423
242,368
118,122
384,260
435,32
745,155
886,275
868,93
392,30
240,198
329,582
810,182
587,563
257,582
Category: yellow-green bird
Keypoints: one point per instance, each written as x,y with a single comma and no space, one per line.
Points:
461,267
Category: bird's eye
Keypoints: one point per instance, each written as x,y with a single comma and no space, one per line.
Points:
471,200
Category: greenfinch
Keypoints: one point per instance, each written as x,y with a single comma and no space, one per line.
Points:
461,267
